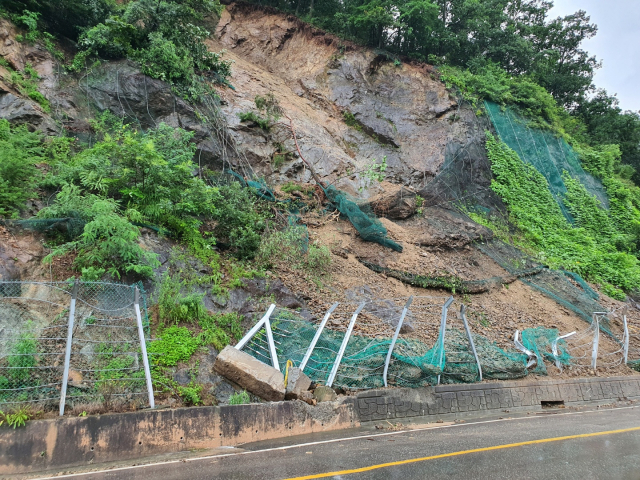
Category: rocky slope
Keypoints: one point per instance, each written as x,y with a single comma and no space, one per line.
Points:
398,111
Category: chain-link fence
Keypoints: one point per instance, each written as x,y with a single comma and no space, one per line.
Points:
99,360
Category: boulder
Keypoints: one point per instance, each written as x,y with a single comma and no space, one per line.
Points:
251,374
323,393
297,384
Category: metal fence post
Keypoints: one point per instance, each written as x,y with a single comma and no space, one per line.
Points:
343,347
473,346
143,347
240,345
554,348
626,339
443,327
67,352
596,340
316,337
395,338
272,345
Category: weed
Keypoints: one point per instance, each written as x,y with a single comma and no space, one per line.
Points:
351,120
239,398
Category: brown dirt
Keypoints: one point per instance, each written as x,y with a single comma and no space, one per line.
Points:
495,314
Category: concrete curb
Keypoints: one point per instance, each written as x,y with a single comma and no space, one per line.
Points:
463,399
70,441
75,441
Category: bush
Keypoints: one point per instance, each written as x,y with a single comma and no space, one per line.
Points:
291,247
20,151
239,398
109,242
22,358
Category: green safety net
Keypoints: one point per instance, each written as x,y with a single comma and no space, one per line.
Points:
413,364
550,155
367,225
540,340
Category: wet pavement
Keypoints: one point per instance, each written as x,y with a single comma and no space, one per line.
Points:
559,444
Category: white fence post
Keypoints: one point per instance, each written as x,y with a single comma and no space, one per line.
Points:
443,328
626,339
473,346
596,340
67,352
143,347
343,347
395,339
316,337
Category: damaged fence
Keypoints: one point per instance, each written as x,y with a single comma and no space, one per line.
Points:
65,344
426,341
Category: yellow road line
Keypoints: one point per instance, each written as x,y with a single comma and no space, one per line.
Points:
463,452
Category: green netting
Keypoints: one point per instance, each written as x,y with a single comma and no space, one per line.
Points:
413,364
369,227
539,340
69,228
550,155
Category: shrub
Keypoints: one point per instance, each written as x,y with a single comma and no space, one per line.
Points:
22,358
20,151
239,398
291,247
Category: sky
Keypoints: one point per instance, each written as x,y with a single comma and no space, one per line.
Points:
617,44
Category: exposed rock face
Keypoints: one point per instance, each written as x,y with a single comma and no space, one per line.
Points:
323,393
256,377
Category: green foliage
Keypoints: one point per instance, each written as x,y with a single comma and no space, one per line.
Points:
291,247
351,120
22,357
219,329
544,229
270,112
164,36
239,398
190,394
29,20
176,344
26,83
18,418
109,242
20,152
241,218
374,172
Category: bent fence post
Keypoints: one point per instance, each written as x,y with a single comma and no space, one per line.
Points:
533,358
343,347
554,348
395,338
143,348
473,346
67,352
626,339
316,337
240,345
443,327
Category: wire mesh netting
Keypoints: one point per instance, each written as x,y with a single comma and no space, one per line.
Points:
425,353
550,155
105,358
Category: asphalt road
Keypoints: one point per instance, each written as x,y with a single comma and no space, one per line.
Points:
602,444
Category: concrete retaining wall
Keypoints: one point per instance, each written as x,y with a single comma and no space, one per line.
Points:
463,399
68,441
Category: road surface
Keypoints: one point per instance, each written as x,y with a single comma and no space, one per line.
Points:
599,444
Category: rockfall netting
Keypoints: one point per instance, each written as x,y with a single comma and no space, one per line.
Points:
105,362
550,155
424,354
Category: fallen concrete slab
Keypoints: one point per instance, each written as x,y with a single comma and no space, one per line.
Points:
251,374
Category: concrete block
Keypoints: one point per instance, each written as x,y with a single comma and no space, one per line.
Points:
251,374
297,384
